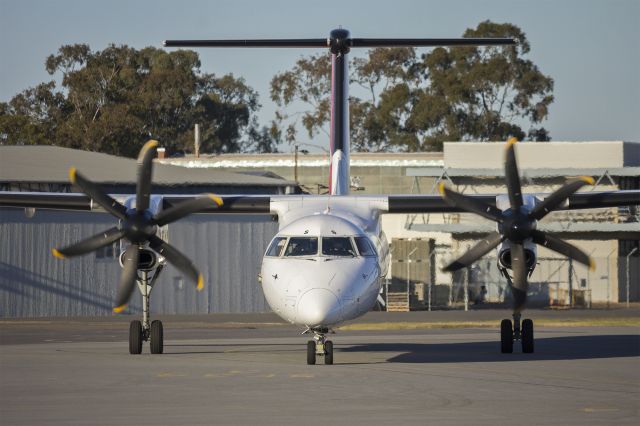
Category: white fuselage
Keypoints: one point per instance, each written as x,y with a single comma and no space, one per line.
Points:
327,263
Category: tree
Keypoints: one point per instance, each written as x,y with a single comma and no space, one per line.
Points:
309,83
414,104
479,93
115,99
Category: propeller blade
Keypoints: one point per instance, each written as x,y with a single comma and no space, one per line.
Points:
186,208
519,267
97,195
178,260
127,278
511,175
559,196
145,168
469,204
90,244
562,247
475,252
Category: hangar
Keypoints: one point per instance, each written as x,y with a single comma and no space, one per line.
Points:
35,284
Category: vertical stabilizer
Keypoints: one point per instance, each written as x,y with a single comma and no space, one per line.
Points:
339,180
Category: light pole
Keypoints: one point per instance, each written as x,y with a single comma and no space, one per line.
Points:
409,274
628,256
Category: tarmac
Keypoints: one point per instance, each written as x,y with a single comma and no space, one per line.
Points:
251,369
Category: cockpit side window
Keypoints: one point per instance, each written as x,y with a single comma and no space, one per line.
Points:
276,247
337,246
302,246
364,246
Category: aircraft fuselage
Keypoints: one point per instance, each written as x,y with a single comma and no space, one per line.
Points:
326,264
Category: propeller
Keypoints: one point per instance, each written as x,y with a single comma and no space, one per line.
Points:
517,225
138,226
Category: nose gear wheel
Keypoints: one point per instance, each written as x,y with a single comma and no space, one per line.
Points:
319,346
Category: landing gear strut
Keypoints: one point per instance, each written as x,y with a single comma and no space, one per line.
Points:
144,331
510,332
319,346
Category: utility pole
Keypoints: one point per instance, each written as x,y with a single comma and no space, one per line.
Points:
197,140
295,164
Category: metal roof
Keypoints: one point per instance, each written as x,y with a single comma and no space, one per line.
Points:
526,173
51,164
357,159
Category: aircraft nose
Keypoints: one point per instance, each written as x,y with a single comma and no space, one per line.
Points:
318,307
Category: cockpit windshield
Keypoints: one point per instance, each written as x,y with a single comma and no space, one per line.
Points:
364,246
276,247
331,246
302,246
337,246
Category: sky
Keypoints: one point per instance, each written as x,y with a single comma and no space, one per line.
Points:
589,47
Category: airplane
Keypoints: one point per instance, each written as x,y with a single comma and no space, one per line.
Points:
329,258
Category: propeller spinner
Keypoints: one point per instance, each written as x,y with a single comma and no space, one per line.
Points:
138,226
516,225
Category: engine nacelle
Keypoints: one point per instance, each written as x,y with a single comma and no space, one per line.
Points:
147,259
530,254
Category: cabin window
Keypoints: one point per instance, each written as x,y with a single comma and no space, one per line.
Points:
364,246
276,247
302,246
337,246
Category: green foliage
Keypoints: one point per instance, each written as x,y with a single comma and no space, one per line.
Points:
114,100
308,82
408,103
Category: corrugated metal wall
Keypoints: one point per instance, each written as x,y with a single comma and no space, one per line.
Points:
227,248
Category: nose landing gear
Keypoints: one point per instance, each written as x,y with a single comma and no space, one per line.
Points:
510,333
319,346
145,330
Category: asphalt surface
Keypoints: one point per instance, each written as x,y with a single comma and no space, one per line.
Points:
252,370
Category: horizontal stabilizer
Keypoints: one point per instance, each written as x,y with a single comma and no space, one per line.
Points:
349,42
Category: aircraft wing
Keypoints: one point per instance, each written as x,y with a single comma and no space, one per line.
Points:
81,202
261,204
46,200
581,200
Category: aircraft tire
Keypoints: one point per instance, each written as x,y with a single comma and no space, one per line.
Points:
135,337
527,336
157,337
311,352
328,348
506,336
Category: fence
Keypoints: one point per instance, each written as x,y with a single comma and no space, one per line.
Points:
554,282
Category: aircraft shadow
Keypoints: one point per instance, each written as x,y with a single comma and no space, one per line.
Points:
546,349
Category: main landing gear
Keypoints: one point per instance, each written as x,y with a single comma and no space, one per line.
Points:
319,346
143,331
510,333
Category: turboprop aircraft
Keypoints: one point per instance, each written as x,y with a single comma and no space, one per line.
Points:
328,260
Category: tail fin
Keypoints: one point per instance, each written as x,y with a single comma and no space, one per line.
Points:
339,180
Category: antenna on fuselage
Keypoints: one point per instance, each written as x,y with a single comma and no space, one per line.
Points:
339,44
